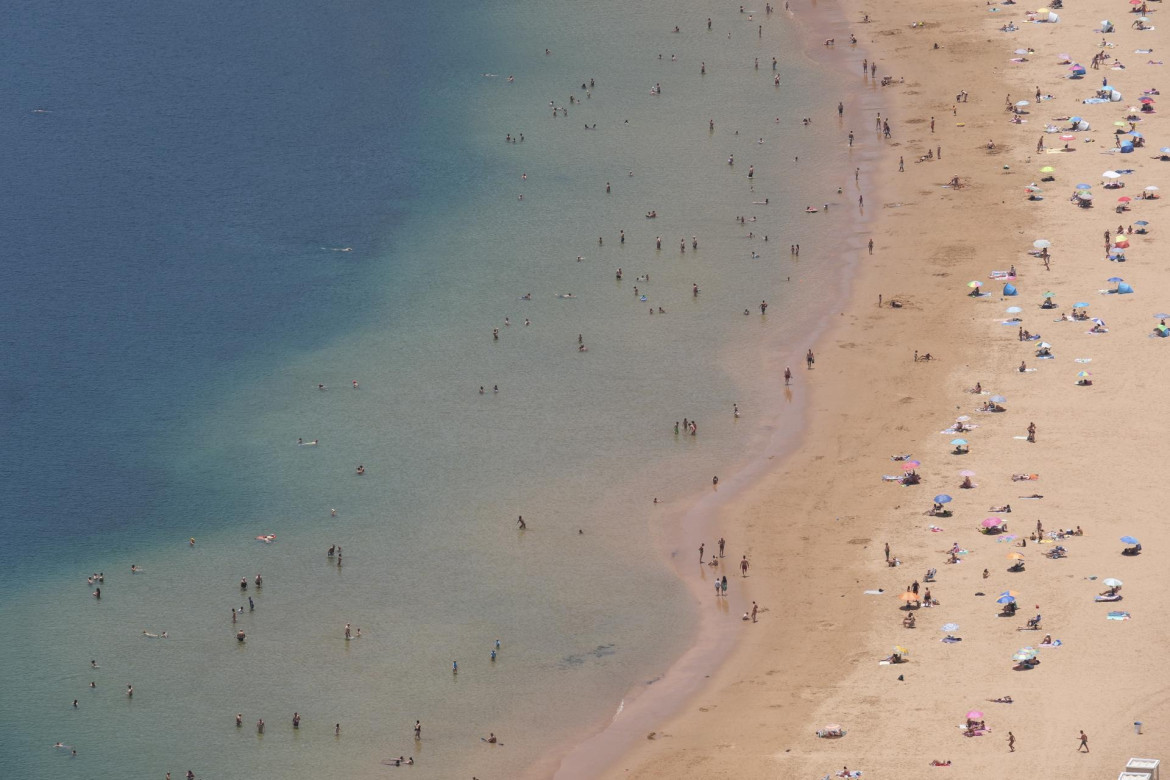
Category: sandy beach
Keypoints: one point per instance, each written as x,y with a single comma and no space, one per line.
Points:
817,526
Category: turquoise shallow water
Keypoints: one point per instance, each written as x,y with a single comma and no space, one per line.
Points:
177,299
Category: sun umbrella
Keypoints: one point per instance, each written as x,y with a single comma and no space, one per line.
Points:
913,463
1014,310
1085,195
1124,199
1015,556
1161,316
992,522
1083,374
958,442
1080,305
1042,243
1146,100
1021,657
1136,134
974,715
1151,188
1141,222
1022,103
1029,652
1083,186
1122,244
1111,175
963,418
975,284
1115,279
998,399
1068,137
1129,540
950,627
966,473
909,596
1050,169
901,650
1098,321
1032,188
1165,150
1111,582
1005,600
1009,593
1044,345
1049,294
942,498
908,467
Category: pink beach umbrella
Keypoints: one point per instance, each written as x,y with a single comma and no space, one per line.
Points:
966,473
974,715
992,522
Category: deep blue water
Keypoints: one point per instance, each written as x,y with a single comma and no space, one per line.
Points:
165,221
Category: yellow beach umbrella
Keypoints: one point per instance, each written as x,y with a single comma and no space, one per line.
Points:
1015,556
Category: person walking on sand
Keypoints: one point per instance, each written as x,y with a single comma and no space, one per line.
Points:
787,375
520,523
810,358
1084,746
887,552
723,585
701,545
1032,432
1011,743
743,566
721,543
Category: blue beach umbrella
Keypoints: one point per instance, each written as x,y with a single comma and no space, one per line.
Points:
1115,279
1165,150
1080,305
1161,316
998,399
1014,310
1129,540
958,442
942,498
1084,186
1005,600
1141,222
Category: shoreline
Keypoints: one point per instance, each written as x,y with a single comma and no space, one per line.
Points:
818,665
703,514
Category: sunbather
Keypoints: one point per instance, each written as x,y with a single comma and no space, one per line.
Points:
1003,700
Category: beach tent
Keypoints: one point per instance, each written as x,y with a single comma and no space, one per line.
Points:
1126,147
1052,18
1124,288
1082,125
1115,96
1010,289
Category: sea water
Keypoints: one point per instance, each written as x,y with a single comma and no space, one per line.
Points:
214,209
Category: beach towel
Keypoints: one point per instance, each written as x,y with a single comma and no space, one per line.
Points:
1117,616
891,478
1082,360
877,592
951,640
1053,643
1045,357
